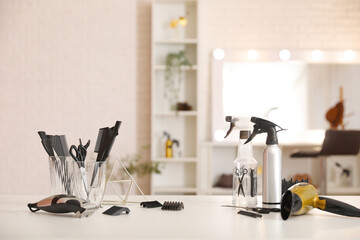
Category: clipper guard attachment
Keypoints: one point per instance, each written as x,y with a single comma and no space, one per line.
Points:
174,206
151,204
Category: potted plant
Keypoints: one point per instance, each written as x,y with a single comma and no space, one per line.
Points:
135,166
174,76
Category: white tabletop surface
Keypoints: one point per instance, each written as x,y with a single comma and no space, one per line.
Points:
202,218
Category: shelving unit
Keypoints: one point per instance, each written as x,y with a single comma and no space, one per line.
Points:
220,157
178,174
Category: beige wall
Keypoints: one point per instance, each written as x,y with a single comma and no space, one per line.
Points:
66,67
72,66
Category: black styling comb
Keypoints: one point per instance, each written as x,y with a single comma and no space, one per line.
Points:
151,204
174,206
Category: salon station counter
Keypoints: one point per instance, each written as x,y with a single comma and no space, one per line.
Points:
202,218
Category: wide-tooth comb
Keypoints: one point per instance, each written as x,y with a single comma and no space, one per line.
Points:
174,206
151,204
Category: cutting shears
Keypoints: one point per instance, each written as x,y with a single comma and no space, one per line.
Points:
79,155
241,174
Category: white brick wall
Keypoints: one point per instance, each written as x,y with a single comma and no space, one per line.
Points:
263,24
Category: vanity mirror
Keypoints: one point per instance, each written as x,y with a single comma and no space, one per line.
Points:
291,88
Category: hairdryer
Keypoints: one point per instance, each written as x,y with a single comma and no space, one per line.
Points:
63,204
302,197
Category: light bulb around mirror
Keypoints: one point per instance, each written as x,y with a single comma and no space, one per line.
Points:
316,55
219,54
252,55
219,135
284,55
349,55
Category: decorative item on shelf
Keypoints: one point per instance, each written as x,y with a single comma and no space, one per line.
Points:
118,184
335,115
225,181
182,21
174,76
343,175
134,164
120,175
183,106
169,150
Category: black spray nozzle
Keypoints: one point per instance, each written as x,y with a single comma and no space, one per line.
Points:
167,134
232,121
176,142
265,126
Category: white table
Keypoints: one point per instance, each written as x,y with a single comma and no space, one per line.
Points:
202,218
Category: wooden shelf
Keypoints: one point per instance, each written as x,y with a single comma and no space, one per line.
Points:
175,160
334,190
183,68
220,191
176,41
176,114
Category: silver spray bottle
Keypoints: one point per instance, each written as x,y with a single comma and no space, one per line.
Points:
271,178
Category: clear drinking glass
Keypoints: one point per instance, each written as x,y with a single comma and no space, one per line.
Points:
61,175
89,181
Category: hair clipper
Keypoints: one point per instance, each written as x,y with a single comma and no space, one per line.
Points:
62,203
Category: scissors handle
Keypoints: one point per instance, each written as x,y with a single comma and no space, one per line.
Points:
76,156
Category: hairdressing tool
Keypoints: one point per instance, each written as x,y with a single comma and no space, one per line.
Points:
60,145
79,155
285,185
256,209
244,164
242,172
151,204
57,144
63,204
250,214
303,197
271,179
253,182
116,210
47,142
104,142
175,206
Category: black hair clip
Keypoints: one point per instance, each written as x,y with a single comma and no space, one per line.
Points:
151,204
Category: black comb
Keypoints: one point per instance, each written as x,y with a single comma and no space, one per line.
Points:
174,206
151,204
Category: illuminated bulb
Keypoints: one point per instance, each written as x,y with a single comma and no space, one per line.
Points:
317,55
252,55
349,55
284,55
219,54
219,135
182,21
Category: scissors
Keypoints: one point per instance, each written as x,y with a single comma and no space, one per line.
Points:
79,155
241,172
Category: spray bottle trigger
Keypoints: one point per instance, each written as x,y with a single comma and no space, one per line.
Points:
253,134
232,125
